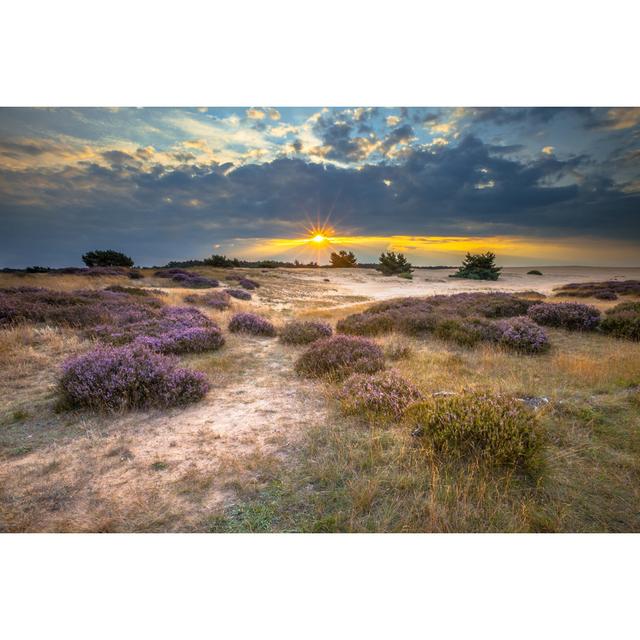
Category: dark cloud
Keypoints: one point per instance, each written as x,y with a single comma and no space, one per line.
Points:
159,214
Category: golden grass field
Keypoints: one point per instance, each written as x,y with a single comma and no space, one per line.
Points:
269,451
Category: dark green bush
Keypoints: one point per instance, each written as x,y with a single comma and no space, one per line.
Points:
393,264
534,272
106,258
343,259
498,429
479,266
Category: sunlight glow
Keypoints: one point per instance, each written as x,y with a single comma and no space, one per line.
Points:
318,238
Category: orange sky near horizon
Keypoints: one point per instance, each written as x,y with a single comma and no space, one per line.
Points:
433,250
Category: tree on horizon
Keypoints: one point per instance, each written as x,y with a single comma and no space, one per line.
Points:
343,259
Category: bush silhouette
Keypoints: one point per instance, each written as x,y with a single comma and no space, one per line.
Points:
479,266
106,258
343,259
392,264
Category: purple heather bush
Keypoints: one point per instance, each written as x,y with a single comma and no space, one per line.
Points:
218,300
607,294
246,283
187,279
339,356
568,315
116,378
589,289
384,392
81,308
297,332
170,330
239,294
464,317
251,323
522,335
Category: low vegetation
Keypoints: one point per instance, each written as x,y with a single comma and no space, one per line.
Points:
218,300
253,324
495,428
522,335
340,356
622,321
131,377
385,392
465,319
187,279
568,315
238,293
299,332
610,289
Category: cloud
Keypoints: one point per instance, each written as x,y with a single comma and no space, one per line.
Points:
548,150
392,121
256,114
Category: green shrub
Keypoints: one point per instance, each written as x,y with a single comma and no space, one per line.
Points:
495,428
622,321
107,258
343,259
534,272
393,264
479,266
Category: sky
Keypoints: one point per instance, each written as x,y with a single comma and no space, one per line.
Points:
538,186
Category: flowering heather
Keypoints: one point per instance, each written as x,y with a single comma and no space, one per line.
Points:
589,289
495,428
622,321
568,315
246,283
239,294
214,299
115,378
419,316
466,331
81,308
93,271
170,330
297,332
251,323
523,335
340,356
384,392
187,279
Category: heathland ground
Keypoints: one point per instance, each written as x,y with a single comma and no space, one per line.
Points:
268,450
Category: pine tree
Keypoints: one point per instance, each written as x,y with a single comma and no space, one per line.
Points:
343,259
392,263
479,266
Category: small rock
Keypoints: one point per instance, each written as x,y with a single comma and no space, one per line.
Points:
533,401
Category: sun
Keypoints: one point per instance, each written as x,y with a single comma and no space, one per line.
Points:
318,238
